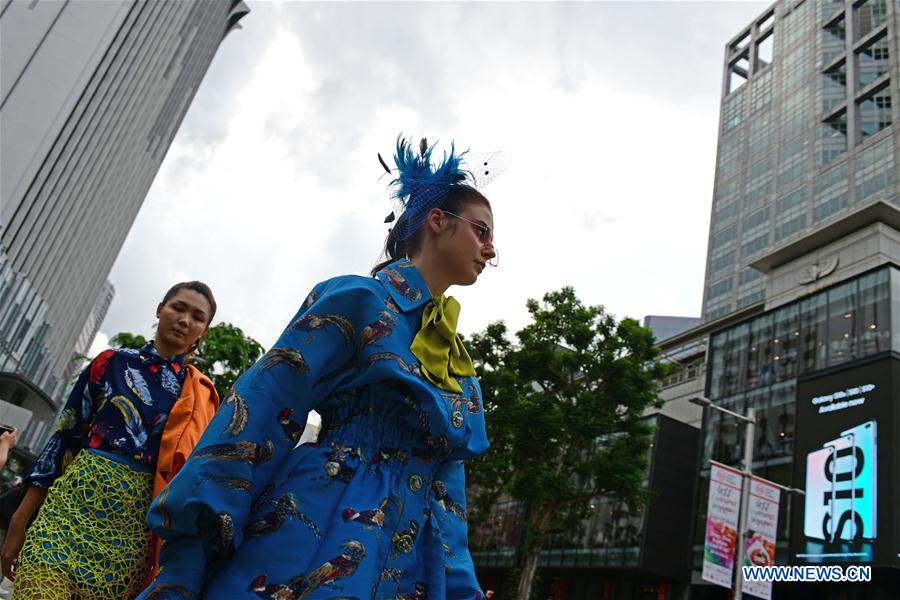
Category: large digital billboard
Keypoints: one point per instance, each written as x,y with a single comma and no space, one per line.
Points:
844,461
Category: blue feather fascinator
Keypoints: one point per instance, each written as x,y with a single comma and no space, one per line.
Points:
421,185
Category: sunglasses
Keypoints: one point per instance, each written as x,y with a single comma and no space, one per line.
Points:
485,236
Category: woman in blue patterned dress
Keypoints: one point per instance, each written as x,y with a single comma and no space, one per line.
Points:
94,478
376,507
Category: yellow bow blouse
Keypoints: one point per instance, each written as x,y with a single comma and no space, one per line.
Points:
438,347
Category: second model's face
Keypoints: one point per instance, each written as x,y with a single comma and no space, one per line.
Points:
182,320
467,247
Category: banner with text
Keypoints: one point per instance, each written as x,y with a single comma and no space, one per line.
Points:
762,528
721,525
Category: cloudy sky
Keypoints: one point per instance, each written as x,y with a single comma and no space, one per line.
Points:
607,113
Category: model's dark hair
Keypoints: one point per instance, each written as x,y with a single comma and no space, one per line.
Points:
202,289
458,198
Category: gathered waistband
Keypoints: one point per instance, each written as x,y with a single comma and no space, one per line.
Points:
133,464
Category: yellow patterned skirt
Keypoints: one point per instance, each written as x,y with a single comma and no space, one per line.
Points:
89,539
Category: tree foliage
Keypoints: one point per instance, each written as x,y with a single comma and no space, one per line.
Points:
128,340
564,406
223,355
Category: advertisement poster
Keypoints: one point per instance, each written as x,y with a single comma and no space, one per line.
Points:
762,528
844,463
721,525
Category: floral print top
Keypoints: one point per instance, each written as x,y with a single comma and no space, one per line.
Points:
119,404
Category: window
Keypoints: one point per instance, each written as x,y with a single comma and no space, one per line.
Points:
831,138
830,192
795,24
812,332
755,235
733,111
758,218
725,212
786,343
842,318
714,313
730,154
762,91
874,169
748,275
726,260
765,49
832,38
738,73
873,332
719,288
833,86
794,200
755,245
868,16
792,161
741,42
790,217
795,111
751,297
874,112
767,352
759,182
790,227
727,192
723,237
873,61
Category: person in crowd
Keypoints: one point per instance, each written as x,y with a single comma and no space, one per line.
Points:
7,441
376,507
130,422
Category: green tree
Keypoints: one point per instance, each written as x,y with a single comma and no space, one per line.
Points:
128,340
564,407
223,355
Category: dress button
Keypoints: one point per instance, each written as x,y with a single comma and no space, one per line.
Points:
415,483
457,419
403,543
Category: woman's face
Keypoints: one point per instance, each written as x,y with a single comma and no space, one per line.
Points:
182,320
467,246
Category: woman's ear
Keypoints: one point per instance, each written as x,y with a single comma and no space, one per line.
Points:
435,220
158,308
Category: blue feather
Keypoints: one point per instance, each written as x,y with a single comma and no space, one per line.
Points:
170,382
132,419
135,381
418,179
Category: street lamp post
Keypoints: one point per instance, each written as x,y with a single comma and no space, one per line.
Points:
747,472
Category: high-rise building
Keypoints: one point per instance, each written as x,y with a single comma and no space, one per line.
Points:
91,96
809,95
801,304
89,332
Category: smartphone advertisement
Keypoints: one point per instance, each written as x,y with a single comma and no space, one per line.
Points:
843,462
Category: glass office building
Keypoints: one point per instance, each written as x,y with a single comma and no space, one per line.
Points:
806,134
801,303
92,96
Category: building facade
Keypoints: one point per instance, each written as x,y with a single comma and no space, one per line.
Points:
802,297
92,95
805,136
617,552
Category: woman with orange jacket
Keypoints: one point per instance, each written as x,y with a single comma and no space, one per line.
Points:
129,424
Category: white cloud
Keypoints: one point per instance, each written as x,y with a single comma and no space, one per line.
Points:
608,110
100,343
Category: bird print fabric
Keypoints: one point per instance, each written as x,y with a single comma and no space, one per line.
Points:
374,509
119,404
